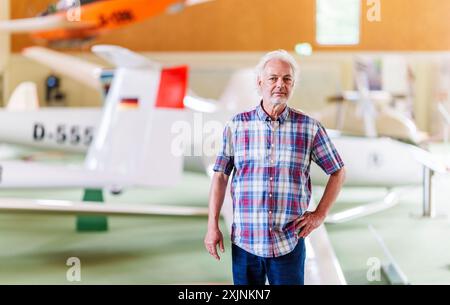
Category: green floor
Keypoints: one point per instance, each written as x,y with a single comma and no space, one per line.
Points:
136,250
146,250
419,246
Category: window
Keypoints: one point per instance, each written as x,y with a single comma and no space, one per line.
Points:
337,22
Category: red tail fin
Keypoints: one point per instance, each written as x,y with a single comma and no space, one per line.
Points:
172,88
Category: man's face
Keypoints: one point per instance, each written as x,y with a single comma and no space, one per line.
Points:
276,82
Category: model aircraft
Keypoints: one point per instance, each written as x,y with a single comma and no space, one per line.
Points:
121,154
381,82
73,129
346,115
83,20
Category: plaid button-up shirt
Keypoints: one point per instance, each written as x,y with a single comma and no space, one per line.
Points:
271,187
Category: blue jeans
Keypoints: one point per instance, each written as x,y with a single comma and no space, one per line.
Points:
249,269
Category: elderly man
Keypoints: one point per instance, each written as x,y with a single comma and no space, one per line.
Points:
270,149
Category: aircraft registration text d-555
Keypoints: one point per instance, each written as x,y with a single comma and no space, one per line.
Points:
64,134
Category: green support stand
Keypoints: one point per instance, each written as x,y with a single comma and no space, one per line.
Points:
91,223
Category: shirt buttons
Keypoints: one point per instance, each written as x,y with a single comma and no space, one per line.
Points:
273,145
270,212
270,195
271,161
271,178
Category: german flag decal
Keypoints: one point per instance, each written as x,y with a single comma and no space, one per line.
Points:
129,103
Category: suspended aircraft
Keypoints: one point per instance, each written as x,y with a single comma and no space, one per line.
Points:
147,93
78,21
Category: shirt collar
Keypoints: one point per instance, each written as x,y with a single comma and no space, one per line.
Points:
262,114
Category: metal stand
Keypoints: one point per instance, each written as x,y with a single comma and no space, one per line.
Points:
391,269
427,204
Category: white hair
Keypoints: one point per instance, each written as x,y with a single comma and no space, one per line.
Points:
280,54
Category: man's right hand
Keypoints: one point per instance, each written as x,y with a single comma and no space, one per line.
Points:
212,238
